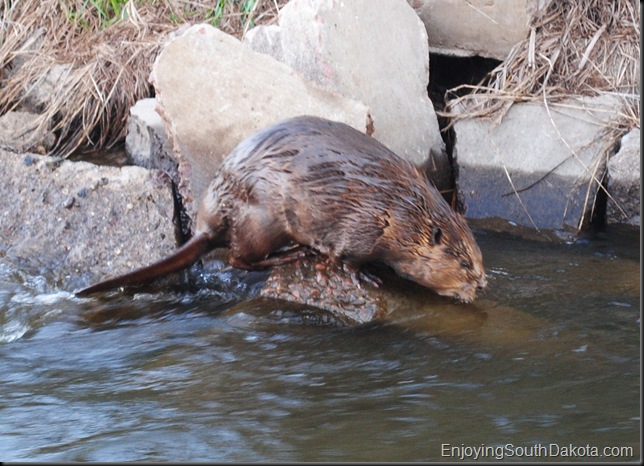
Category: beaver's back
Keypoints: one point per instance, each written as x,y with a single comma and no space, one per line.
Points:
335,188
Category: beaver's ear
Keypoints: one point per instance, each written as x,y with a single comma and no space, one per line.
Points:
437,235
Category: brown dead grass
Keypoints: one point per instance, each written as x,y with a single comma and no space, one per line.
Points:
581,47
94,71
575,47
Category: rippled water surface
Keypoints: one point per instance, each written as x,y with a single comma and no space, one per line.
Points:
552,357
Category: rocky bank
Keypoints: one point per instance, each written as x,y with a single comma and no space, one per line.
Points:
366,63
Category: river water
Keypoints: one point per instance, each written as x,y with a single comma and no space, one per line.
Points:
549,367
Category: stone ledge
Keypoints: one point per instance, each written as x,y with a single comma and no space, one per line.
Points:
76,223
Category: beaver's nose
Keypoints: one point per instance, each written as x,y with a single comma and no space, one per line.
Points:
481,284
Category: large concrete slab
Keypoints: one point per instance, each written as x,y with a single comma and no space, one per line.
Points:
213,92
76,222
374,51
539,167
487,28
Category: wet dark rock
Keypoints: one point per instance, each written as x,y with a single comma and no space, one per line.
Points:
316,283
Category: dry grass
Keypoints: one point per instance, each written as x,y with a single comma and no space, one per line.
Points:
94,57
581,47
576,47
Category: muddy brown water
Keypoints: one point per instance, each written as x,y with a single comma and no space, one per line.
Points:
545,366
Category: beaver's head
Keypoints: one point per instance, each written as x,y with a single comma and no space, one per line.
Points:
446,259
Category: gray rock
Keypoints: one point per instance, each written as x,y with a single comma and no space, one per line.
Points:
146,142
374,51
266,39
52,87
41,91
29,50
213,92
535,168
486,28
75,222
624,171
25,132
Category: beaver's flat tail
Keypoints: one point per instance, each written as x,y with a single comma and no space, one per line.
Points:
185,256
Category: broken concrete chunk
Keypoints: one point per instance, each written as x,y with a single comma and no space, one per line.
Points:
624,171
486,28
539,167
374,51
213,92
56,220
25,132
146,142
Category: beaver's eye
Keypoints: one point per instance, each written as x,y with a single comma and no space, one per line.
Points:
437,234
466,264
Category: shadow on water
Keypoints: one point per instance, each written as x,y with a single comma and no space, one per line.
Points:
549,356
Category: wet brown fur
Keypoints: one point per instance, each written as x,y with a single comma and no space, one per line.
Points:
321,184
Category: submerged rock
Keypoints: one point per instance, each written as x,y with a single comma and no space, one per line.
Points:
314,283
320,284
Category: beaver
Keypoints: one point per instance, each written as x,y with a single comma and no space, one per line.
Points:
310,184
